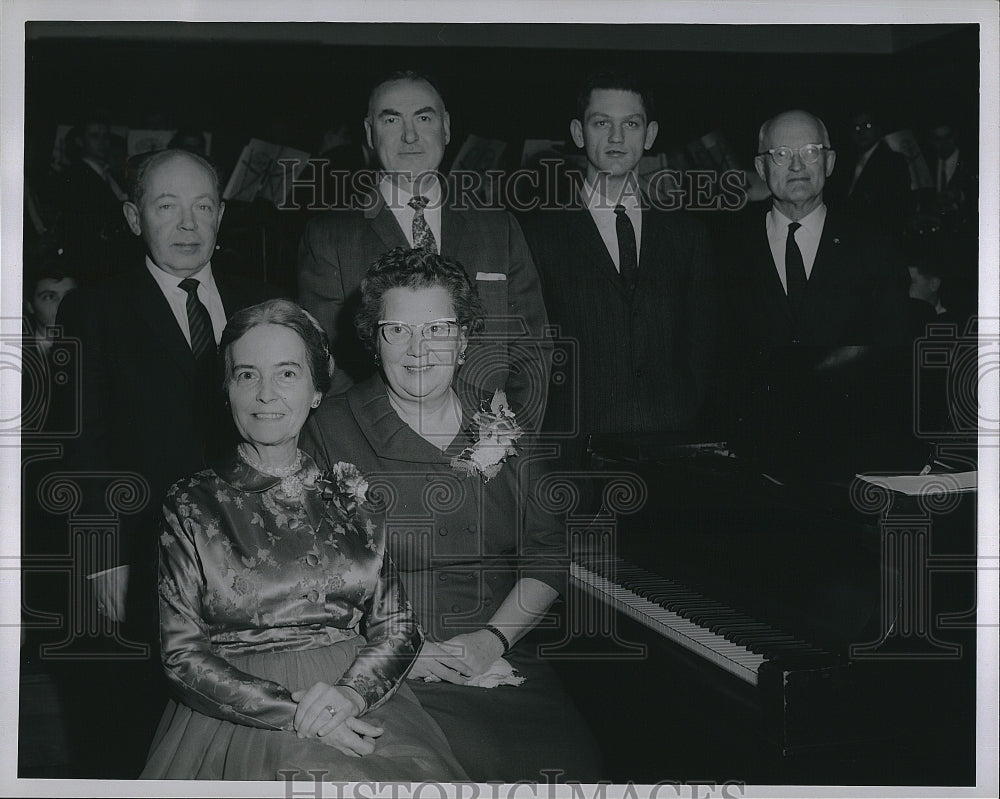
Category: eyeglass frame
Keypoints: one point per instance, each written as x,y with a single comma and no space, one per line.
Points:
793,151
381,323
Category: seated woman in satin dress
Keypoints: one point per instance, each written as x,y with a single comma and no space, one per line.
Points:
284,627
481,558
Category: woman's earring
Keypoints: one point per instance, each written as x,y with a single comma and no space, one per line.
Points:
461,357
378,361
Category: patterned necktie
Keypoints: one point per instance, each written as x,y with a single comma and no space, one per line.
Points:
423,237
628,258
199,322
795,268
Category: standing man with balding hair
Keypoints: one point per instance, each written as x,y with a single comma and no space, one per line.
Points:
821,305
151,406
409,205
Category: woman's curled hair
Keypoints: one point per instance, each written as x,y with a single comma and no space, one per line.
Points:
416,269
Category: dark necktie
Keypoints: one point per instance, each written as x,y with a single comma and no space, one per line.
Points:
199,322
795,268
423,237
628,259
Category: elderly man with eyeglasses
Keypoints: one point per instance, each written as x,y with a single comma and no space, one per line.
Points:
820,302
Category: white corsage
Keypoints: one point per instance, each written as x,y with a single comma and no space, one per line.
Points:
495,439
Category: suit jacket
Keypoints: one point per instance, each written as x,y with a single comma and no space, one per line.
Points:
787,389
337,248
145,408
856,293
640,361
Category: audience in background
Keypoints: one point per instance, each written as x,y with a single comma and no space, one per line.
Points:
879,178
89,197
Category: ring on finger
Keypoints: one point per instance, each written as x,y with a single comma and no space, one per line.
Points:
333,711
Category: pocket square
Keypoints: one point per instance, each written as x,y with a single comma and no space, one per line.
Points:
490,276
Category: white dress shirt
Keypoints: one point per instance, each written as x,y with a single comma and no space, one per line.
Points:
176,297
603,212
807,237
397,199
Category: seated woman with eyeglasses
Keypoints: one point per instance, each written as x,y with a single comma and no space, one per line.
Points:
480,557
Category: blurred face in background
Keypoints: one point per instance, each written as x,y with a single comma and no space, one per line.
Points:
95,141
45,299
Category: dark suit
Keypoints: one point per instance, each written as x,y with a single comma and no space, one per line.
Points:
789,398
337,249
147,410
644,360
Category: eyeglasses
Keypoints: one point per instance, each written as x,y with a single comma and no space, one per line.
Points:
394,332
808,153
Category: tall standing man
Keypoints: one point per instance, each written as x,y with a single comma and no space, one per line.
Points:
152,406
820,301
633,286
408,128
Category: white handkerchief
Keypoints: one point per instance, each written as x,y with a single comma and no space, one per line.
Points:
490,276
500,673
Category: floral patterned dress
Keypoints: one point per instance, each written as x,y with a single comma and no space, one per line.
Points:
268,585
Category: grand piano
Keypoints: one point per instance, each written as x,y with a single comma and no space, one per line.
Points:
730,624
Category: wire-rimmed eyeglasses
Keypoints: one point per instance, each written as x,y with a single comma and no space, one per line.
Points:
808,153
396,332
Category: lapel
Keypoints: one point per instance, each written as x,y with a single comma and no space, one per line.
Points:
766,274
383,223
389,436
584,237
154,313
827,264
453,227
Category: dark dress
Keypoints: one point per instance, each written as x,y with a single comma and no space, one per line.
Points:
460,544
267,586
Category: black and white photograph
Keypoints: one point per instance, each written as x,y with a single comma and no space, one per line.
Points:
494,399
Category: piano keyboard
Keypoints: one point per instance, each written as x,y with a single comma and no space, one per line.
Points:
721,635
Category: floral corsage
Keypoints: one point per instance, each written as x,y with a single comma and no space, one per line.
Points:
498,432
344,485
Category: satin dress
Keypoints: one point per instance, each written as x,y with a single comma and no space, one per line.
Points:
266,586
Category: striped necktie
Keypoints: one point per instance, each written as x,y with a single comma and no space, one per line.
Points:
199,322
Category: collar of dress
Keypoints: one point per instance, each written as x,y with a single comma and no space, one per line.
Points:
236,472
389,436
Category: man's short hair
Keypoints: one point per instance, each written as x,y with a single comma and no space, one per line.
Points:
139,166
623,80
766,126
403,74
